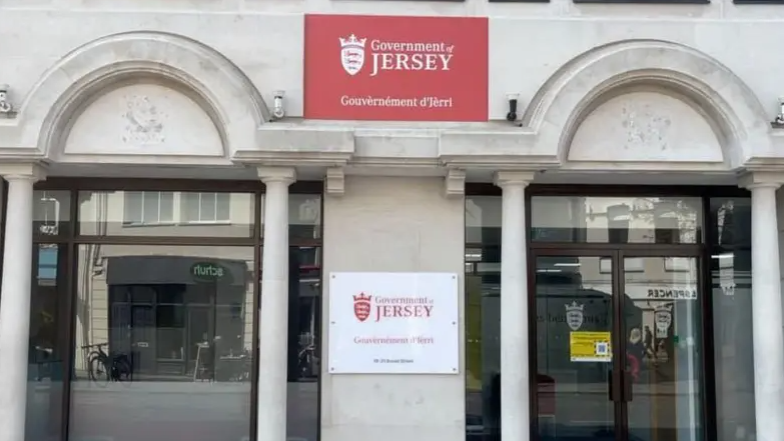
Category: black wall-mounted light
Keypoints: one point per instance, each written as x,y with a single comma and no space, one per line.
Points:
512,115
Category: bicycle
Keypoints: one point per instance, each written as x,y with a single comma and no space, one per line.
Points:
305,360
103,368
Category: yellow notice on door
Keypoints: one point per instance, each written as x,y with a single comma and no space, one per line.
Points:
590,347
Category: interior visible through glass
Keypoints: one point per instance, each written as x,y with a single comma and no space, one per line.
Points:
574,336
664,351
163,333
482,318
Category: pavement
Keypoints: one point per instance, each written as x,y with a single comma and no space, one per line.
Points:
166,411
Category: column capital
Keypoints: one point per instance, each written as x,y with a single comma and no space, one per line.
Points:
761,179
286,175
23,171
503,178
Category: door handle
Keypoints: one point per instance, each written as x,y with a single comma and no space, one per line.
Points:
628,386
614,393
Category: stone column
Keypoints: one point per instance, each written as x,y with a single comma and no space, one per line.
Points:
515,411
767,324
273,320
15,298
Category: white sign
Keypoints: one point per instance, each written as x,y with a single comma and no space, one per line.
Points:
393,323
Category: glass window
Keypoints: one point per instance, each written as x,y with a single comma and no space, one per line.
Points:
730,268
731,221
46,350
51,212
304,343
152,213
148,207
305,216
206,207
482,317
581,219
155,324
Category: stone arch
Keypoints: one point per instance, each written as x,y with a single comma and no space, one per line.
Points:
724,100
212,80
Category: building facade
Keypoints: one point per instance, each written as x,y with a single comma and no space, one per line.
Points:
181,180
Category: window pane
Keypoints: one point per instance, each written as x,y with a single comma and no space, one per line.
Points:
483,219
102,213
616,220
45,357
731,221
662,325
208,201
223,206
732,335
151,204
304,344
190,207
305,216
162,352
51,212
574,294
482,318
166,207
132,209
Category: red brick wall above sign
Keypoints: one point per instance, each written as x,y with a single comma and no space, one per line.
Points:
360,67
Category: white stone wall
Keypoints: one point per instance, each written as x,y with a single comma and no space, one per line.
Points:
395,225
264,37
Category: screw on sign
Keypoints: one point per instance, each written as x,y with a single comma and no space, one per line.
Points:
362,306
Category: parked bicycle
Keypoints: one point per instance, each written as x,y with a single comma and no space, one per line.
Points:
103,368
306,361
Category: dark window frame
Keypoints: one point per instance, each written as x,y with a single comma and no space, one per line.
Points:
703,250
70,239
645,2
758,2
518,1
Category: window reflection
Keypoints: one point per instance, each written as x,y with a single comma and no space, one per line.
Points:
154,325
304,216
163,334
730,268
731,221
482,318
165,213
580,219
304,364
46,349
51,212
574,296
664,349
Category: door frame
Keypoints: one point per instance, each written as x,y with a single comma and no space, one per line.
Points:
619,384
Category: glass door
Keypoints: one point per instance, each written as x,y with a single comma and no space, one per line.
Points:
612,366
577,394
663,345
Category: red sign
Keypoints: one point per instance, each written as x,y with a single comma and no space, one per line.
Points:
396,68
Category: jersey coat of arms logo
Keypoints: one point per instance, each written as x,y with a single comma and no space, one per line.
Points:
362,306
352,54
574,315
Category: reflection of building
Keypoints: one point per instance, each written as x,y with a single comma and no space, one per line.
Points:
161,310
581,263
619,156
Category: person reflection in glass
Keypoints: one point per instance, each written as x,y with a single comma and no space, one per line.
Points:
635,351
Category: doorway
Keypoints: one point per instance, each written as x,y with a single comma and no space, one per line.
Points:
619,344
